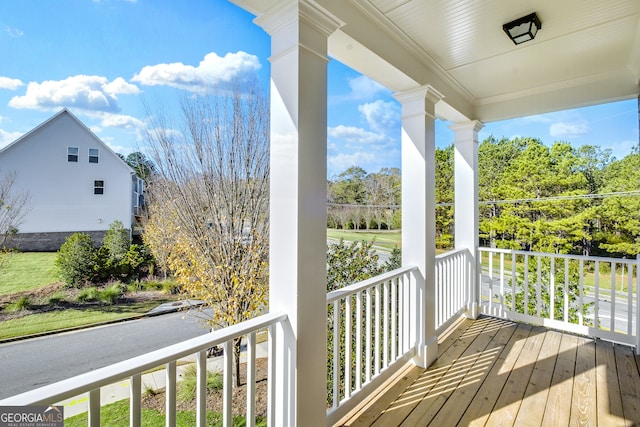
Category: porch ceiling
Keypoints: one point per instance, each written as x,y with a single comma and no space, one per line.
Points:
587,52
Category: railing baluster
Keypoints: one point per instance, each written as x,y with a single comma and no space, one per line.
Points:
502,309
581,294
358,340
566,290
539,288
552,289
385,318
201,388
596,284
170,391
490,256
94,408
630,299
227,389
271,379
514,258
367,347
347,346
612,287
336,353
377,350
251,379
394,324
135,400
525,278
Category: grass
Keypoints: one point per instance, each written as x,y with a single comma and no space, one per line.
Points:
117,415
72,317
385,239
26,271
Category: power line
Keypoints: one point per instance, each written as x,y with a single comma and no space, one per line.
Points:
631,193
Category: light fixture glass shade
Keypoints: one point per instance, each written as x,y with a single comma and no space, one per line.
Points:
523,29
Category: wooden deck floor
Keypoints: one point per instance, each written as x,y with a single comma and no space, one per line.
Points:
492,372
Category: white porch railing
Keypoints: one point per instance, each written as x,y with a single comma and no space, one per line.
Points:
369,330
91,382
454,274
592,296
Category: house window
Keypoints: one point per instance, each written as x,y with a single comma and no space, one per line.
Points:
72,154
98,187
93,155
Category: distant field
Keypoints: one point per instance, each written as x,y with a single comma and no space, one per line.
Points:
28,270
385,239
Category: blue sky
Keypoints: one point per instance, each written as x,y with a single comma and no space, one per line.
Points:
106,59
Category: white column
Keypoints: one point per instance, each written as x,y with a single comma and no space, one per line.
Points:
466,201
418,212
298,252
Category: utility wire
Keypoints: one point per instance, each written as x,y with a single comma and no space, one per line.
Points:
632,193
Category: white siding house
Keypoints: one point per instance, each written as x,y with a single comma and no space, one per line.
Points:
76,183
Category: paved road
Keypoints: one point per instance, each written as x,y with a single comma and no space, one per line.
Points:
28,364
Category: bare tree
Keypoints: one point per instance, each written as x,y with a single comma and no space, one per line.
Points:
209,201
14,205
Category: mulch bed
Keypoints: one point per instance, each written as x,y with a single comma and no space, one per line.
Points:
157,400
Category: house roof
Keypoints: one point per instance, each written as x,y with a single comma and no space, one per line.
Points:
57,116
587,52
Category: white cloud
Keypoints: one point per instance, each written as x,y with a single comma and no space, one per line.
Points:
87,93
342,161
13,32
363,87
7,138
9,83
569,129
121,121
381,116
212,70
355,135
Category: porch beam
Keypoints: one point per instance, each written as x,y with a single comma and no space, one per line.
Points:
466,201
299,31
418,213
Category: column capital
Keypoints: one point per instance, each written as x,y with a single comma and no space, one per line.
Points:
472,125
427,92
286,12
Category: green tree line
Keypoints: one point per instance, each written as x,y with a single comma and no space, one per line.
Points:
559,199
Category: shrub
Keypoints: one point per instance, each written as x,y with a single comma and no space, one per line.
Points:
76,260
112,294
187,387
116,242
22,303
89,294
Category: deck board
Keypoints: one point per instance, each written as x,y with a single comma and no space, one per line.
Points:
495,372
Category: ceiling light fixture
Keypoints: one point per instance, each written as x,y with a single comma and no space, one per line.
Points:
523,29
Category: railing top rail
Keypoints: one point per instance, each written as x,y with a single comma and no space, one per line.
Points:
562,256
109,374
357,287
451,253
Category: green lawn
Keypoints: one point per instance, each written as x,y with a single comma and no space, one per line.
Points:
384,239
117,415
72,317
28,270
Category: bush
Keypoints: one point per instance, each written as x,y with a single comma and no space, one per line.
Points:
76,260
112,294
21,304
89,294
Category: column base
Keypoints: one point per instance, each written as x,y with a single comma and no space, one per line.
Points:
427,354
472,311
